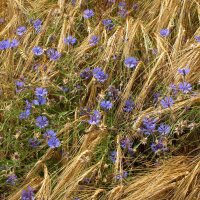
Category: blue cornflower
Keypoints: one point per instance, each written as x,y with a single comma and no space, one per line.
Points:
28,194
19,84
70,40
88,13
4,44
184,71
164,32
42,121
167,102
113,156
197,38
159,146
100,75
33,142
37,24
53,142
129,105
95,118
131,62
126,143
28,105
185,87
148,126
53,54
21,30
38,51
105,104
108,23
94,40
25,114
49,133
14,43
122,13
86,73
12,179
40,101
41,92
164,129
156,97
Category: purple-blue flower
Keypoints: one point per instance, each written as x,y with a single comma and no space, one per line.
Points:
159,146
148,126
88,13
12,179
42,122
49,133
39,101
100,75
106,104
129,105
164,32
131,62
108,23
95,118
167,102
53,54
184,71
122,13
38,51
25,114
4,44
197,38
70,40
164,129
41,92
185,87
126,143
53,142
122,5
86,73
37,24
28,194
113,156
94,40
14,43
21,30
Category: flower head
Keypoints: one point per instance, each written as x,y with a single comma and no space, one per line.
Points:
86,73
41,92
14,43
94,40
38,51
12,179
108,23
197,38
21,30
95,118
53,54
53,142
25,114
131,62
184,71
164,32
159,146
39,101
49,133
167,102
148,126
4,44
164,129
37,24
100,75
28,194
70,40
42,122
105,104
129,105
113,156
126,143
185,87
88,13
